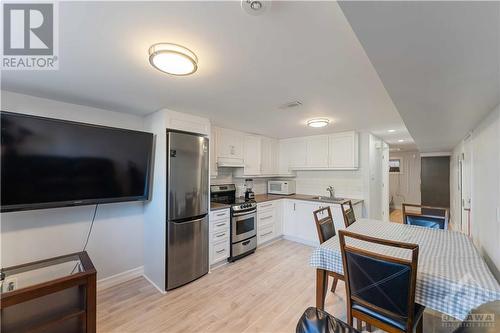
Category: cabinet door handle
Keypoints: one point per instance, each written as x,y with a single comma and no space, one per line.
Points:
221,214
267,233
220,224
293,206
220,235
267,205
220,251
266,217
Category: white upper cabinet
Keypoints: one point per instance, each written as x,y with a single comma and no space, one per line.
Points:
297,153
317,151
321,152
229,147
269,157
344,150
212,154
252,152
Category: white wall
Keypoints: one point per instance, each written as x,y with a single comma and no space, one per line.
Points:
485,188
405,187
116,244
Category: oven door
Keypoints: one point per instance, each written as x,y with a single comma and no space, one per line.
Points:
243,226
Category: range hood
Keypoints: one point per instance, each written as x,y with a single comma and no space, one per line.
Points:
225,162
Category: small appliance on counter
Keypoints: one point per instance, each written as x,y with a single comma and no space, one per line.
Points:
283,187
243,220
249,194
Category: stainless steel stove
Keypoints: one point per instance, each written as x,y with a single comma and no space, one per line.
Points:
243,220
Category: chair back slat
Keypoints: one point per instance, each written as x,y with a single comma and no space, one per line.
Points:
379,282
324,225
348,213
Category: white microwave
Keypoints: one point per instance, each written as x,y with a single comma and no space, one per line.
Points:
283,187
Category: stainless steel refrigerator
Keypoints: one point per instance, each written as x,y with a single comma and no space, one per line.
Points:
187,207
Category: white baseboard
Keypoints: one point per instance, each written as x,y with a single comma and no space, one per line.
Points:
113,280
301,241
154,284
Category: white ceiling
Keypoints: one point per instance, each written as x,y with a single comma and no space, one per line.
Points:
248,66
439,61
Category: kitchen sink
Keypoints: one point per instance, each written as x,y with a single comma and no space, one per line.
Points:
335,200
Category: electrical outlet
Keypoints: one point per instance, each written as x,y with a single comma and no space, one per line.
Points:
9,284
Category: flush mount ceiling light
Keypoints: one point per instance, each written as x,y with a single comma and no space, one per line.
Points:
255,7
391,131
173,59
318,122
401,140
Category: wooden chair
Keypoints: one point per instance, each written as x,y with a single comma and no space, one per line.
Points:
427,216
381,288
326,230
348,213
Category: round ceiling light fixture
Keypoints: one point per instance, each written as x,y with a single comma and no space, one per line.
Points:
318,122
173,59
255,7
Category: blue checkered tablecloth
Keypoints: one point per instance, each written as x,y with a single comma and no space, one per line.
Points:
452,277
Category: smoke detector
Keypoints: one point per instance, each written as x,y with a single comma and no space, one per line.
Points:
255,7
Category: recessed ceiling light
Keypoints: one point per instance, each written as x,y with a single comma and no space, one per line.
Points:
173,59
401,140
318,122
391,131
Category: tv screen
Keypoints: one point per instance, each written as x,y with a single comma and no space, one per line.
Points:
53,163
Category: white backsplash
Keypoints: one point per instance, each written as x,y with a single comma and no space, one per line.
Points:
346,183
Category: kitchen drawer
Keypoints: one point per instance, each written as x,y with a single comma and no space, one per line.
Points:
265,233
220,225
266,205
220,251
219,214
218,236
266,217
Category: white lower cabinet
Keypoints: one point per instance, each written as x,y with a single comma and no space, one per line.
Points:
299,222
219,244
269,221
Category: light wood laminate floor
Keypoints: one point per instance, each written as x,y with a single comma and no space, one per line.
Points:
265,292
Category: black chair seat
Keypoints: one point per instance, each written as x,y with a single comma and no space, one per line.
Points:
425,221
317,321
390,320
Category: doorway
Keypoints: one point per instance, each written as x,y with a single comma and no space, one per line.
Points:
435,182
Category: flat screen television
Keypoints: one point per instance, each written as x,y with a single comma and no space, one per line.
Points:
48,163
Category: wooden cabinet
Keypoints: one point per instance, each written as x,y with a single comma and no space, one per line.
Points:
219,244
230,145
344,150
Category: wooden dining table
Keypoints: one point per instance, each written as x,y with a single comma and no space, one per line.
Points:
452,276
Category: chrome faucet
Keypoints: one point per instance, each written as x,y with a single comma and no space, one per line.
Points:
331,190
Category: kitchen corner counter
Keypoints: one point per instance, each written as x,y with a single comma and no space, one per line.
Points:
217,206
269,197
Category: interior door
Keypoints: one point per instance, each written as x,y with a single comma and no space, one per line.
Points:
435,181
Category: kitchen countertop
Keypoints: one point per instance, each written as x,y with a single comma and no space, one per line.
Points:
218,206
305,197
269,197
